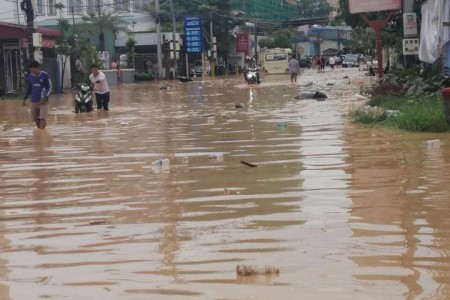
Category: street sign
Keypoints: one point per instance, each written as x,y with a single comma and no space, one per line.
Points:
193,33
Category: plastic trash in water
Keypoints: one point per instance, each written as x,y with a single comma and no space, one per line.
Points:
282,125
432,144
161,162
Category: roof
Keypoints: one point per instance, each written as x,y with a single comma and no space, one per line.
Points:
14,31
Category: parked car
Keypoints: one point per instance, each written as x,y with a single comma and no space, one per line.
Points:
351,60
197,69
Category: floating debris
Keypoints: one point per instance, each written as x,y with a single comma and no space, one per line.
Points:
244,270
239,105
184,79
99,222
432,144
248,164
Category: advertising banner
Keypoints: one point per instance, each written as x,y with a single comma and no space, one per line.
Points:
362,6
242,42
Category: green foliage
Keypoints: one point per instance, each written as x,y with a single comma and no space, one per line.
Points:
90,56
107,21
316,8
411,113
130,44
281,39
143,77
209,10
363,41
422,116
390,33
416,80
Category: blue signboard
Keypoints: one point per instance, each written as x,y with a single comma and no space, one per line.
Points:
193,34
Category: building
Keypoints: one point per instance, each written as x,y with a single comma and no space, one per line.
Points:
13,49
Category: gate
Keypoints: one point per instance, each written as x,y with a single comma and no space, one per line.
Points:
12,67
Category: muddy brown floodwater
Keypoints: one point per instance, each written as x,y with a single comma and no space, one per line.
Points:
344,211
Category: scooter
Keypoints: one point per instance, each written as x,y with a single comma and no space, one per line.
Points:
83,98
252,76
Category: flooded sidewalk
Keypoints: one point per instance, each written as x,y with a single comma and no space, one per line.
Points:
248,175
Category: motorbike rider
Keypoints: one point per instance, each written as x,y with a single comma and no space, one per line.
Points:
251,64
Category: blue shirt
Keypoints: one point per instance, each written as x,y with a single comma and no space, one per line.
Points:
39,86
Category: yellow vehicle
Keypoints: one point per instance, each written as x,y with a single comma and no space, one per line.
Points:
276,60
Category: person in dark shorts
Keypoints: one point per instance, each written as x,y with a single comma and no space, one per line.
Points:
39,87
99,85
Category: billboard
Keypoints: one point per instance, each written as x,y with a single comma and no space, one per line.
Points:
193,34
362,6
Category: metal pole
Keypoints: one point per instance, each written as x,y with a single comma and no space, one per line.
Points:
28,8
211,64
174,41
256,43
158,39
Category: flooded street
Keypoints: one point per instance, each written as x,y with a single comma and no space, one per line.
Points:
344,211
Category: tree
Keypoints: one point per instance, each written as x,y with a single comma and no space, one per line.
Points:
63,48
215,11
104,22
281,39
363,41
314,8
131,42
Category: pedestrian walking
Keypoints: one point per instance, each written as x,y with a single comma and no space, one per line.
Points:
39,87
294,69
99,85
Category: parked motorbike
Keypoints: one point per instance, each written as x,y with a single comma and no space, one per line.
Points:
83,98
252,76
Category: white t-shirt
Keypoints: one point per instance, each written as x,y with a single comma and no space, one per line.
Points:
331,61
102,87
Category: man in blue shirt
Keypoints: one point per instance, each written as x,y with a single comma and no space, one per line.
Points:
39,87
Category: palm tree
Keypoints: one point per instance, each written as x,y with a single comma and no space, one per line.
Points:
104,22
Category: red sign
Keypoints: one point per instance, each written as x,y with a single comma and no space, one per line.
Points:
362,6
292,2
242,42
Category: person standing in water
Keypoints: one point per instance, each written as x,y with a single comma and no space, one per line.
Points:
294,69
100,85
39,87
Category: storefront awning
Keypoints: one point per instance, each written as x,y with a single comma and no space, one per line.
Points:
15,31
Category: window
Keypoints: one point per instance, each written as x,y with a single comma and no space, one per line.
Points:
40,7
121,5
51,8
93,6
75,6
141,5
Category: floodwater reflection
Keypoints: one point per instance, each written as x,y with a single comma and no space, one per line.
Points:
345,211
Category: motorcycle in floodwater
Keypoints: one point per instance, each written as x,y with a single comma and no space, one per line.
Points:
83,98
252,76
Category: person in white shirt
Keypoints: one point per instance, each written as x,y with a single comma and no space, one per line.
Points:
332,62
294,69
99,85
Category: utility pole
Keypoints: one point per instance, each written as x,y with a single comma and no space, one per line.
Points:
28,8
212,62
174,41
256,43
158,39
